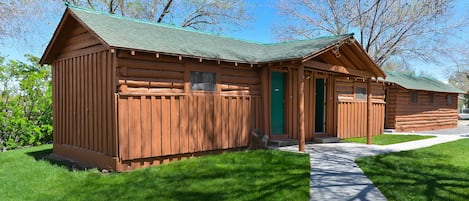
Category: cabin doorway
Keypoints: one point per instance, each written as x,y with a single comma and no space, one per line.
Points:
278,103
320,114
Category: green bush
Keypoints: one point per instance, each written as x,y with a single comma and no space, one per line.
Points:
25,103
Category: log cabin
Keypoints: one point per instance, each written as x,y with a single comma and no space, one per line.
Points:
129,93
416,103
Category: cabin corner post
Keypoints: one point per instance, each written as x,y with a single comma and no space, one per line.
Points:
265,99
368,111
301,107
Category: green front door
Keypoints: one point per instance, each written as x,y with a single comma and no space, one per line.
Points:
278,103
320,105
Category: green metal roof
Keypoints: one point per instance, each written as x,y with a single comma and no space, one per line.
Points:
415,82
129,33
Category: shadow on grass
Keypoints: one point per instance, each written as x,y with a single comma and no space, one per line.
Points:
47,155
260,177
414,175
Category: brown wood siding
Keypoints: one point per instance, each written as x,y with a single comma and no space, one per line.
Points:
352,113
423,115
159,125
352,119
83,102
291,104
390,113
159,115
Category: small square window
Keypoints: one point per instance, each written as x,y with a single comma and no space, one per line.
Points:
449,100
203,81
414,97
361,93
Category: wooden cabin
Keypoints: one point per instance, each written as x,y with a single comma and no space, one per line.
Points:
129,93
415,103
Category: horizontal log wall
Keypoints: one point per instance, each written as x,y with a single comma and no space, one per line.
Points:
83,102
352,118
147,76
160,116
152,126
346,89
425,114
238,81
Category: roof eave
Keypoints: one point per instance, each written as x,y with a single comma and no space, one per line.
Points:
45,59
410,88
82,23
45,56
376,70
185,55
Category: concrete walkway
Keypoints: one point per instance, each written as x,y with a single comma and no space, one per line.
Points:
336,176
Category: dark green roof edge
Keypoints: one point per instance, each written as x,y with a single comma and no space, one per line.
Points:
416,82
215,46
202,32
311,39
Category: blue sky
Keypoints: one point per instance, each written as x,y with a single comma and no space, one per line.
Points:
265,16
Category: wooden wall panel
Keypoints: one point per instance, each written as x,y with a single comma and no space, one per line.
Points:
352,119
167,114
390,112
431,111
330,105
351,112
165,125
82,102
188,121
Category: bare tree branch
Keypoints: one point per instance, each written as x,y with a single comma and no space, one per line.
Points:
165,11
386,28
213,15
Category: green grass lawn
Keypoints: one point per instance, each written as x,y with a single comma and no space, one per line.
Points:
253,175
440,172
388,139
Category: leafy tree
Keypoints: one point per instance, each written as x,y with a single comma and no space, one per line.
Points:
25,103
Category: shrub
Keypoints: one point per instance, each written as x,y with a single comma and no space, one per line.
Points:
25,103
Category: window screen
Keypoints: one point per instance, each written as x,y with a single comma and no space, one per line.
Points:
361,93
449,100
203,81
414,97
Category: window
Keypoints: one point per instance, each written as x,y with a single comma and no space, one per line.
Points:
432,98
414,97
449,100
203,81
361,93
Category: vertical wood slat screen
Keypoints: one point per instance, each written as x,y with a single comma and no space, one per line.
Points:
351,120
83,102
161,125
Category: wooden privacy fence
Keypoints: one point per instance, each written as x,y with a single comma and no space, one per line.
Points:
162,125
352,116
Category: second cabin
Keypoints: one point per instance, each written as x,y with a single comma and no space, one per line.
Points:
415,103
129,94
